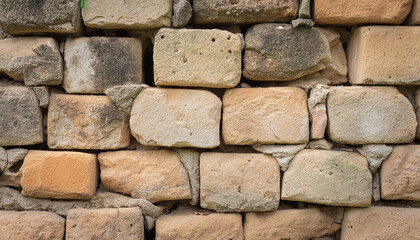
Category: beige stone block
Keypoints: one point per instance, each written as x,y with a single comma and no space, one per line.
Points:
319,122
265,116
414,17
417,109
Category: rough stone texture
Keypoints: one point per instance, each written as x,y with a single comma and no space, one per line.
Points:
369,115
400,177
283,153
176,117
367,48
31,225
106,223
417,109
244,11
318,95
376,187
11,178
320,144
278,52
319,121
3,35
137,14
265,116
304,9
124,95
182,13
289,224
375,154
21,17
297,23
414,17
43,95
3,159
15,155
239,182
188,226
20,118
59,175
94,64
153,175
328,177
35,60
190,159
86,122
344,12
197,57
381,223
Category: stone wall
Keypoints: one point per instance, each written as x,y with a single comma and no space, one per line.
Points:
206,119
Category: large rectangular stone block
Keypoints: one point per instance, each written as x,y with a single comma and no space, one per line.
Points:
370,115
86,122
265,116
384,55
59,175
195,57
235,182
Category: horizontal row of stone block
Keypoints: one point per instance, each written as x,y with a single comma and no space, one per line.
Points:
127,223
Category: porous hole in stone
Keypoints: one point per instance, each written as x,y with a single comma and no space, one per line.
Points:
229,37
213,39
162,37
229,51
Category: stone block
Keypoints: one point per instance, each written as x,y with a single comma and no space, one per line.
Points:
414,17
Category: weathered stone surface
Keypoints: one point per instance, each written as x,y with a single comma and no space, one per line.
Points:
414,17
3,159
106,223
35,60
400,177
152,175
186,225
369,115
367,48
376,187
239,182
86,122
328,177
304,9
297,23
3,35
265,116
283,153
138,14
343,12
176,117
190,159
375,154
278,52
124,95
15,155
59,175
97,63
43,95
381,223
200,58
11,178
20,118
289,224
320,144
244,11
318,95
182,13
417,109
20,17
319,121
31,225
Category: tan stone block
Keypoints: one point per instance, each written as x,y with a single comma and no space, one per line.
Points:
186,225
197,57
400,178
369,115
136,14
105,223
155,175
328,177
319,122
86,122
239,182
176,118
417,109
31,225
59,175
414,17
344,12
289,224
381,223
373,59
265,116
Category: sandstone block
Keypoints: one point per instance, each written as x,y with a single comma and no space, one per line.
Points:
153,175
319,122
328,177
200,58
176,117
3,160
97,63
367,48
35,60
20,118
289,224
244,11
414,17
22,17
369,115
31,225
265,116
239,182
417,108
188,226
400,177
105,223
86,122
137,14
59,175
278,52
381,223
343,12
